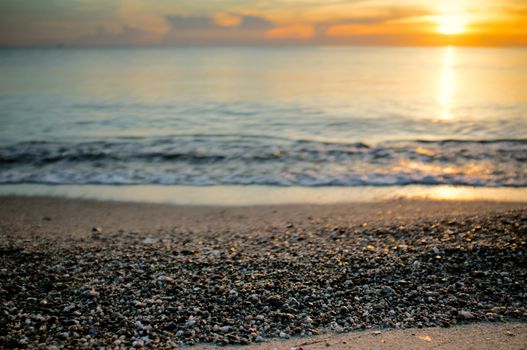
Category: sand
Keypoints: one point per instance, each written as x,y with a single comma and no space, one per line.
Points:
60,219
62,260
482,336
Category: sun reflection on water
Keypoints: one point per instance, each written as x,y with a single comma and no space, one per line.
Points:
446,86
480,169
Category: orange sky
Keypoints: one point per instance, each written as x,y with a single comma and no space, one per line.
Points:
269,22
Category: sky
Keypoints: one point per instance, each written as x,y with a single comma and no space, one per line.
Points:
259,22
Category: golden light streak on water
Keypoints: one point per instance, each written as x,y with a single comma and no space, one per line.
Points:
446,86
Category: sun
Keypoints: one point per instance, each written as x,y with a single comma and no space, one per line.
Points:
451,24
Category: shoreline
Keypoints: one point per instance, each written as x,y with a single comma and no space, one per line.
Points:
86,273
251,195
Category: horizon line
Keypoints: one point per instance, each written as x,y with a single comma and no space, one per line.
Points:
60,46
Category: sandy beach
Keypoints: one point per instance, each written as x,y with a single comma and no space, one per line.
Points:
79,273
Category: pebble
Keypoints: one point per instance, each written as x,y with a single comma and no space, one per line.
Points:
165,278
139,343
243,286
466,314
190,322
284,335
92,331
387,291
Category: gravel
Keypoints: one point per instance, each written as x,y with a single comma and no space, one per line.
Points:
171,288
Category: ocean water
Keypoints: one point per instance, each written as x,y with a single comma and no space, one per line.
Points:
264,116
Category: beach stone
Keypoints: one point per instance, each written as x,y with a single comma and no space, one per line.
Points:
466,314
264,283
284,335
387,291
138,343
165,278
190,322
275,301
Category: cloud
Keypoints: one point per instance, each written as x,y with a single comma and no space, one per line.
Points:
41,23
234,30
301,31
189,23
126,37
388,21
255,23
227,19
228,28
382,15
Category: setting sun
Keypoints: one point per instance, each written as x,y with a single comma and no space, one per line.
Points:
452,24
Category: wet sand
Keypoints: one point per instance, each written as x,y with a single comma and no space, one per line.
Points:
85,273
479,336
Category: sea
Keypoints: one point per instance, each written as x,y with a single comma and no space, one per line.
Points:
277,117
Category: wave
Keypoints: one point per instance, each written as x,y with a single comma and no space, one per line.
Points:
243,160
454,141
